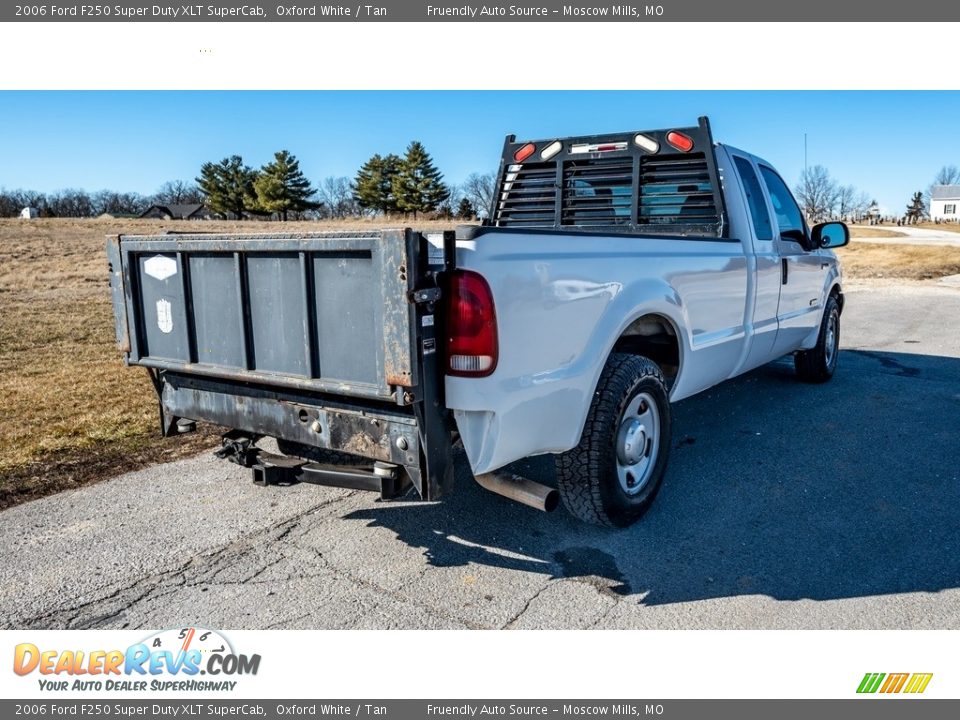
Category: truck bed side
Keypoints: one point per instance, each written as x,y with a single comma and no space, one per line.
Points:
563,300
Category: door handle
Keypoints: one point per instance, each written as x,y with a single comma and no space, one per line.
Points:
783,271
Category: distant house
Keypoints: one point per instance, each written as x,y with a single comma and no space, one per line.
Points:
29,213
191,211
945,203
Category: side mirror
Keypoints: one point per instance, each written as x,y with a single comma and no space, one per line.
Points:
830,235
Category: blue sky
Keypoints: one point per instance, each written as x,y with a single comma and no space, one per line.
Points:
887,143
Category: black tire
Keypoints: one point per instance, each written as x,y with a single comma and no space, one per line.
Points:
818,364
589,474
320,455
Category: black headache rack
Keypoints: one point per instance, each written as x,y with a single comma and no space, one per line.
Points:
325,341
649,182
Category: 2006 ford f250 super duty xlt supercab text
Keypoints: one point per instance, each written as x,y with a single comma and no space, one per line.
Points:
614,275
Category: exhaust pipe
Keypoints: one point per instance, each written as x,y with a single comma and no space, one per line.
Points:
515,487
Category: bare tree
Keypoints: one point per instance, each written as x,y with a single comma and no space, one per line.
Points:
478,189
861,205
13,201
948,175
109,201
69,203
846,201
177,192
818,193
336,197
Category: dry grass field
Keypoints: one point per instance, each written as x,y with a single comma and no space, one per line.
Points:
945,227
863,260
72,413
866,231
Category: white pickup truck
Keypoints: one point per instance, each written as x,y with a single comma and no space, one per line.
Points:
614,275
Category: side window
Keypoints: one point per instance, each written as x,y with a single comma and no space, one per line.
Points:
758,206
788,213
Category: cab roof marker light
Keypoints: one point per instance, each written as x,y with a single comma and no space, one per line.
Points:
550,150
524,152
646,143
681,142
582,148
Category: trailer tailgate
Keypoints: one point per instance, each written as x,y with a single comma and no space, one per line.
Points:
324,312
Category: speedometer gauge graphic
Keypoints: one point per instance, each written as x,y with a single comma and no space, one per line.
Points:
181,640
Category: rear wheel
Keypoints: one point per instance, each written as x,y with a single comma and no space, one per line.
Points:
818,364
613,475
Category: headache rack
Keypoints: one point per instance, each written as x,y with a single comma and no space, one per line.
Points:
662,182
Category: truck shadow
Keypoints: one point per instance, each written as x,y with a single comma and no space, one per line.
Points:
775,487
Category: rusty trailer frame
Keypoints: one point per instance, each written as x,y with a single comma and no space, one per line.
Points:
329,340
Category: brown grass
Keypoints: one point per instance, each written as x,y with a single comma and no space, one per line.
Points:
71,411
863,231
908,262
946,227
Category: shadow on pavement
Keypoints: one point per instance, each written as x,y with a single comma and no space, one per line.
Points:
775,487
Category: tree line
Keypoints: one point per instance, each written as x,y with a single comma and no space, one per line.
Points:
824,198
388,185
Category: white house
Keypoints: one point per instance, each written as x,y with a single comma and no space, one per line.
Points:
945,203
28,213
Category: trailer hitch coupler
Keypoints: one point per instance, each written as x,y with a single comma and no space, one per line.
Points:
522,490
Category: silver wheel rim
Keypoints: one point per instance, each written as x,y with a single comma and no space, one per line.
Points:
830,342
637,443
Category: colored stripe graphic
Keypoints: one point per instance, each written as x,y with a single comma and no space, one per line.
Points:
894,683
870,682
918,682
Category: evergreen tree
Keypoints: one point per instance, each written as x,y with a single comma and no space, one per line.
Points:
281,187
373,186
916,209
227,185
465,210
419,186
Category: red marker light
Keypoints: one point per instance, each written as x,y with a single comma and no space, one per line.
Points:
524,152
680,141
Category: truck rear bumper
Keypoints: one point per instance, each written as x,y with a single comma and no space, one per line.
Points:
377,433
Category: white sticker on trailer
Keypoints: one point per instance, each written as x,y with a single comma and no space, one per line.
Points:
435,248
160,266
428,320
164,316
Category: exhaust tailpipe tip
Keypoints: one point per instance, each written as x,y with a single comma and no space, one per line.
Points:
520,489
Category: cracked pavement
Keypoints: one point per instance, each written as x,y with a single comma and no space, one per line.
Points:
785,506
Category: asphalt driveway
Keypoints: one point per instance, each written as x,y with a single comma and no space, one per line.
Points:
786,506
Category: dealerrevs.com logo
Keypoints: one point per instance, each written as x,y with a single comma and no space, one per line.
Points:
169,660
910,683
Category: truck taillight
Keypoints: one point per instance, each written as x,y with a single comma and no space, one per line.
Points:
472,348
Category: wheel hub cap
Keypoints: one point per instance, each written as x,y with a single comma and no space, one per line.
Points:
830,344
632,442
637,443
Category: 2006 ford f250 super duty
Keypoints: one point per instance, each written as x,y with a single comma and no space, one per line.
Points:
614,275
